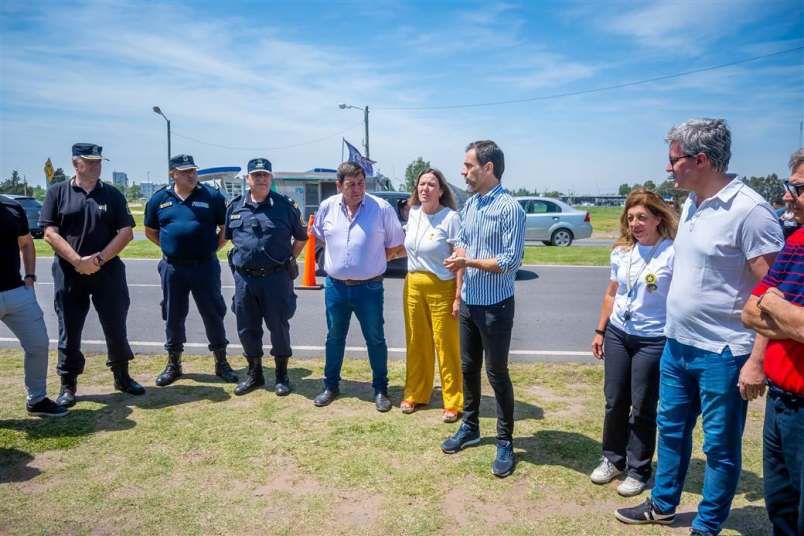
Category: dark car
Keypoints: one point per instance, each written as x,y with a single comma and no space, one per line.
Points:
398,200
32,209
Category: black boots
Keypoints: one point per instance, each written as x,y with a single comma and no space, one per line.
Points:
222,368
124,382
282,387
172,370
69,384
254,378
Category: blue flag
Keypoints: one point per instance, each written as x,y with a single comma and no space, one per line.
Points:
362,161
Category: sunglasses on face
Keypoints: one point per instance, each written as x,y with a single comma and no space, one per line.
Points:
794,189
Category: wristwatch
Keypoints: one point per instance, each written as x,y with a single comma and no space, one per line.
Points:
99,260
32,277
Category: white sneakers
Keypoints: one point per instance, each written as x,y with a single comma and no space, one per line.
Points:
606,472
630,487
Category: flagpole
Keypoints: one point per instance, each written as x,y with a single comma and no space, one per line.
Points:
343,141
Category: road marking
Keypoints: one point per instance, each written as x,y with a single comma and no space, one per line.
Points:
159,344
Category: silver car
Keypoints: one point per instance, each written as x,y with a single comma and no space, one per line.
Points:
554,222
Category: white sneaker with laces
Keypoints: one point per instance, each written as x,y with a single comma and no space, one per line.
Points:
605,472
630,487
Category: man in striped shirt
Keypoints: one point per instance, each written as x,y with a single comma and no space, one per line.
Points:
776,310
490,247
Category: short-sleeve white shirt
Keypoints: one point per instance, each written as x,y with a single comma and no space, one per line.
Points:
647,272
711,277
429,239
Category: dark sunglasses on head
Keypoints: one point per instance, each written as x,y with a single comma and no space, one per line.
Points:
794,189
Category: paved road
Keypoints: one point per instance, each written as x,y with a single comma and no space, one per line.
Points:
556,311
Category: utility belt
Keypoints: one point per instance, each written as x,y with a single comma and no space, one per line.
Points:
356,282
787,397
290,266
185,262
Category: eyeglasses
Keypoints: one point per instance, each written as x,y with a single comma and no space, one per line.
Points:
673,160
794,189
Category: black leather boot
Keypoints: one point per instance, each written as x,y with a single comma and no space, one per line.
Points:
124,382
172,370
222,368
69,385
282,386
254,378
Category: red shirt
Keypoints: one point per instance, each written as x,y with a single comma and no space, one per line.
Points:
784,358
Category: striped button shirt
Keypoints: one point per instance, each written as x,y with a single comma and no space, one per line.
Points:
493,226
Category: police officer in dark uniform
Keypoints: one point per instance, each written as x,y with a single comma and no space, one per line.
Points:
186,221
87,223
268,234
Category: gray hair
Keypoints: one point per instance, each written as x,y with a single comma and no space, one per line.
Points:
708,136
796,159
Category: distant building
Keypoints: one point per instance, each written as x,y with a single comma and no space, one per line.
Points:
147,189
120,178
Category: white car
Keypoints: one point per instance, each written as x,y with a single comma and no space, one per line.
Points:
554,222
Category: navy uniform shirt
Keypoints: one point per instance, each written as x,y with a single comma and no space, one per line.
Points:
261,232
87,221
13,224
187,229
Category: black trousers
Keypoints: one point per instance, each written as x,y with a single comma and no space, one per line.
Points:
203,281
108,291
486,329
631,387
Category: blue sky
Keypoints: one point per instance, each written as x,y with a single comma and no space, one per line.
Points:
240,80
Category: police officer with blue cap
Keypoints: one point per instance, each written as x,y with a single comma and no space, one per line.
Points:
268,234
88,223
186,221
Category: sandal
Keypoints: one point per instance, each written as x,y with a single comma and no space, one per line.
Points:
449,415
407,407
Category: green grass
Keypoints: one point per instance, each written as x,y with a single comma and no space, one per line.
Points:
573,256
136,249
605,220
192,458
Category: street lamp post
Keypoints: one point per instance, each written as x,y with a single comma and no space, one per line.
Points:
365,123
158,111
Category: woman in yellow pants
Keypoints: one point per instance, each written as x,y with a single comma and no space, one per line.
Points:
432,297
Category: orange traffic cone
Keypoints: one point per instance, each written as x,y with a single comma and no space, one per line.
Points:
308,281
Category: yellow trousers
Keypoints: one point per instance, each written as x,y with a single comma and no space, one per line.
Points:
430,330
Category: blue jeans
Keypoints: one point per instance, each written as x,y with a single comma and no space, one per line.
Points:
692,382
20,311
783,462
366,302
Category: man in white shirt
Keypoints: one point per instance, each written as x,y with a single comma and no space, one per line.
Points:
727,239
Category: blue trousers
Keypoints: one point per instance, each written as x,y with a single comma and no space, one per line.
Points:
366,302
203,280
783,462
692,382
270,299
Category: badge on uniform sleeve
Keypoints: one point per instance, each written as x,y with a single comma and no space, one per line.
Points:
201,204
166,204
234,217
102,207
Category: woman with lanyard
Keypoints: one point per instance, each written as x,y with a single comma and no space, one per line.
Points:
630,339
432,296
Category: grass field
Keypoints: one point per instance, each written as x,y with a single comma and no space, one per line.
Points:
193,459
582,256
605,221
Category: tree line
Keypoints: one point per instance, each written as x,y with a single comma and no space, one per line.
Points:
16,186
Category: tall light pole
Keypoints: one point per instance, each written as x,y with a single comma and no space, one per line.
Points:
158,111
365,122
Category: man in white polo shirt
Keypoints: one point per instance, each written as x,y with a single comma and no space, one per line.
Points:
727,239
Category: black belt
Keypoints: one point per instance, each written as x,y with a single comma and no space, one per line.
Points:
186,262
355,282
786,396
261,272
